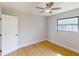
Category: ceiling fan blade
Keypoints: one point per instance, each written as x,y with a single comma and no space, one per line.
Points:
58,8
42,11
39,7
50,4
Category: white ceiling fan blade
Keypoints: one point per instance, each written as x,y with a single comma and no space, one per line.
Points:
42,11
58,8
39,7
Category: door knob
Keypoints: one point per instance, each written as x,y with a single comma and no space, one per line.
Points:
16,34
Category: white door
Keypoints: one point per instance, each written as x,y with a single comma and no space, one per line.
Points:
9,34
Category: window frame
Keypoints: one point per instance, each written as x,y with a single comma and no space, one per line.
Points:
67,18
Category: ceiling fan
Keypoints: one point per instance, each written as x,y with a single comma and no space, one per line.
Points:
48,8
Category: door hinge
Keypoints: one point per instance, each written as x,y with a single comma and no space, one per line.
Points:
0,18
0,35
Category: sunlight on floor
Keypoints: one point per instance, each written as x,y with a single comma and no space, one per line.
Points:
59,55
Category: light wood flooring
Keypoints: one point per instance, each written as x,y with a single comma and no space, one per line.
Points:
44,48
34,50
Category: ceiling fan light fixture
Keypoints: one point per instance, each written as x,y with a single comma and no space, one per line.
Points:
47,10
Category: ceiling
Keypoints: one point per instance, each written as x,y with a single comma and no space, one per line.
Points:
29,7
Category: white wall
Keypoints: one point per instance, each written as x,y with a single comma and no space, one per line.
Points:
31,27
67,39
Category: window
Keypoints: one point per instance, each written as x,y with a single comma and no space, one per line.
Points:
68,24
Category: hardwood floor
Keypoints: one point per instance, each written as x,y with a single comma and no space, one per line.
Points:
44,48
59,49
33,50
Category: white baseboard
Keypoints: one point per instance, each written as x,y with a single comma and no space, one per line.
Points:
31,43
24,46
64,46
4,54
49,41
